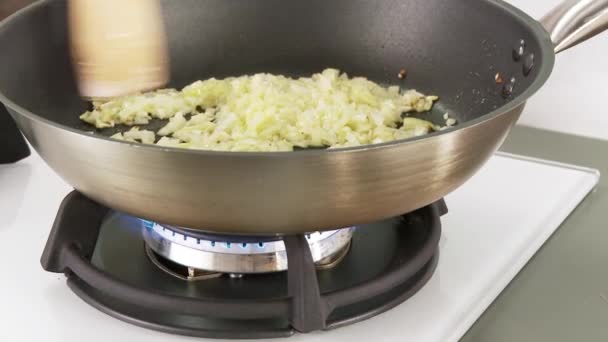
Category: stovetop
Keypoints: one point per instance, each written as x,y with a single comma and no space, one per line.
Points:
496,223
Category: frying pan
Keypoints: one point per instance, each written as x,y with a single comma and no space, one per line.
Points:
453,49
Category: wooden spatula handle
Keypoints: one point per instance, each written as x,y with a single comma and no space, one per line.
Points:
118,46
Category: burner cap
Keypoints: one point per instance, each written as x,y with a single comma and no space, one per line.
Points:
238,254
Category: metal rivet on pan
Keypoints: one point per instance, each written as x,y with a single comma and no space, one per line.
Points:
498,78
507,89
402,74
528,64
519,49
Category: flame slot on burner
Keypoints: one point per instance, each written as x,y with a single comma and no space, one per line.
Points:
190,255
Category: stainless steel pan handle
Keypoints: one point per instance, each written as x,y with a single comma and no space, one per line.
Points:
574,21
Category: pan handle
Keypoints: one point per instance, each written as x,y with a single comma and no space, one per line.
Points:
574,21
12,144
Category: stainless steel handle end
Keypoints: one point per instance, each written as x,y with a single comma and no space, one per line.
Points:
574,21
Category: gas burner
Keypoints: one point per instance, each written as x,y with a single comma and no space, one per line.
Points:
204,255
375,267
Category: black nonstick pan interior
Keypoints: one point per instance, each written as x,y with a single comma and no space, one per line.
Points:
444,46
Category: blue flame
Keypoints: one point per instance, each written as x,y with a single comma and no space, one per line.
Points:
147,224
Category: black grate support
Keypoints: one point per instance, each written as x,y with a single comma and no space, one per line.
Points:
305,299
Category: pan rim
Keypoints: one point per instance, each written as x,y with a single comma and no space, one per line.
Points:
546,50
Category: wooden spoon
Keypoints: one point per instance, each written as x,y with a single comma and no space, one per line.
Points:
119,47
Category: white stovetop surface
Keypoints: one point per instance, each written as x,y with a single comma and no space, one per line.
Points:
496,223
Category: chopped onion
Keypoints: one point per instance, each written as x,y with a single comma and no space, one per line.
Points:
135,135
265,112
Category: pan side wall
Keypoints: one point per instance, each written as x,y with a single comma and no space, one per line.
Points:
267,195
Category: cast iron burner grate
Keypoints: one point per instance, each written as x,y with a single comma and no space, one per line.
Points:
103,256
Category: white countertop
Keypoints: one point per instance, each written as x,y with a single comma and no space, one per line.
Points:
488,235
